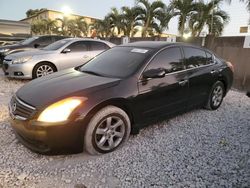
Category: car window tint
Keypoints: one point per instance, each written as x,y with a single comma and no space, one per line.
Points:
79,46
169,59
43,41
194,57
95,46
118,61
209,58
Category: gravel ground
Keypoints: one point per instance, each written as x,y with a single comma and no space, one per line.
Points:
197,149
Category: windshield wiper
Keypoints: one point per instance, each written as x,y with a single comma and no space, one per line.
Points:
91,72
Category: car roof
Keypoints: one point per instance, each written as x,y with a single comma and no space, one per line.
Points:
157,45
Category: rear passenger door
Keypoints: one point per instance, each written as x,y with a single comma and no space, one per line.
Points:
201,74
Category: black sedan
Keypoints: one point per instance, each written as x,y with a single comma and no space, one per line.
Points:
98,105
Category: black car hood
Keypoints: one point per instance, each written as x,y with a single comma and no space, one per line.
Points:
70,82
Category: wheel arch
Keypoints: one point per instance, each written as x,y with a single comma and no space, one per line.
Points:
118,102
41,62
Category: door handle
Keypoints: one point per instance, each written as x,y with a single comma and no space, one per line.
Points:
183,82
86,56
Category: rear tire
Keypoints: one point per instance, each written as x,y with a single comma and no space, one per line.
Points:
216,96
107,130
43,69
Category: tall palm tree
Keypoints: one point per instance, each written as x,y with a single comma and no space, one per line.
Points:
183,9
164,19
115,19
130,20
149,12
208,15
103,27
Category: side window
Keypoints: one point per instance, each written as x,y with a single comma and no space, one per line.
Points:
96,46
209,58
194,57
79,46
169,59
43,41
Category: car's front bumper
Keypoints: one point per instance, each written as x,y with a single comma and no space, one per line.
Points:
49,138
22,71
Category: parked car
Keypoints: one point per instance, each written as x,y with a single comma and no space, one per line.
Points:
96,106
28,44
66,53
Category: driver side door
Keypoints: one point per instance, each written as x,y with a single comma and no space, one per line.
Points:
160,97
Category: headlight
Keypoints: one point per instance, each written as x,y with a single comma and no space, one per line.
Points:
4,50
61,110
21,60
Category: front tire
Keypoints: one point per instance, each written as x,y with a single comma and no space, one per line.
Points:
216,96
107,130
43,69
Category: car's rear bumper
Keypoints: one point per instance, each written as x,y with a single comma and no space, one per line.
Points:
48,138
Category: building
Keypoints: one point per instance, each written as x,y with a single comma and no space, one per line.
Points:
53,15
13,30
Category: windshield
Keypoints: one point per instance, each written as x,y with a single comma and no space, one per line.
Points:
28,40
56,45
117,62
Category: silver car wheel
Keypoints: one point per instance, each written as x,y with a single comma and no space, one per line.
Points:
44,70
109,133
217,95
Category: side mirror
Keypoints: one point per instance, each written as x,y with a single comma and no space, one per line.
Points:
66,50
36,45
154,73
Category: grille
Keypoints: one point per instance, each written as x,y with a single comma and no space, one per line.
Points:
21,109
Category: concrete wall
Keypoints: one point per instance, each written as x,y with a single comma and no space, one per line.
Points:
229,48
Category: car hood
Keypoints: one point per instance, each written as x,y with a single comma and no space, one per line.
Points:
70,82
13,46
33,52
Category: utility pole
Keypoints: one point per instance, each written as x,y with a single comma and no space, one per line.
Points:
212,22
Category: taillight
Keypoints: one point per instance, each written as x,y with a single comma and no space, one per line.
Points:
230,65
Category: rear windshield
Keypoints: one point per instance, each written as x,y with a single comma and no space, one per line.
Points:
56,45
117,62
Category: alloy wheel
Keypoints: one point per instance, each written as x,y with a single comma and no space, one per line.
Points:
44,70
109,133
217,96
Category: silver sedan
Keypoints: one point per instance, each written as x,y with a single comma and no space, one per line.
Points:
66,53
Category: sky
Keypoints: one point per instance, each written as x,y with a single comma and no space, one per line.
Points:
15,10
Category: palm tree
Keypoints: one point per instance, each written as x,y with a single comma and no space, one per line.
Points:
38,27
103,27
78,27
130,20
183,9
208,15
115,19
148,14
164,19
63,28
50,25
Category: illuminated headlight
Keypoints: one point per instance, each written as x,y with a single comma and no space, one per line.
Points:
4,50
21,60
61,110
